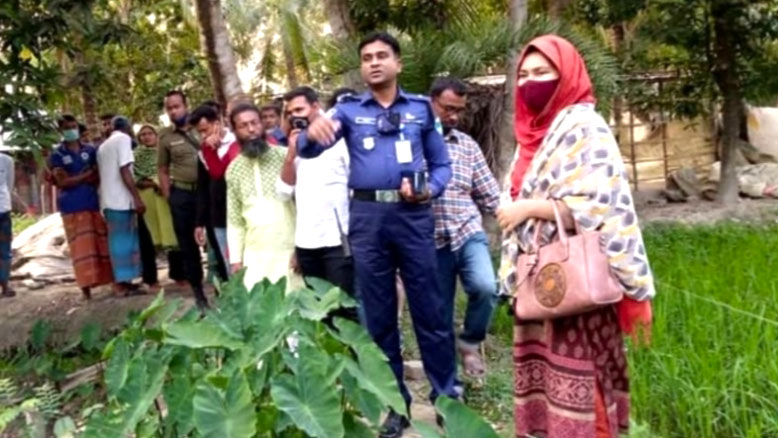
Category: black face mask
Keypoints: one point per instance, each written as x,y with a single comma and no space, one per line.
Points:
254,148
181,121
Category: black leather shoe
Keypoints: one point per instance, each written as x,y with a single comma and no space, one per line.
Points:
202,305
394,425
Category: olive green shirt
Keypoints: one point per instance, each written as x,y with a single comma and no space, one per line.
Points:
178,151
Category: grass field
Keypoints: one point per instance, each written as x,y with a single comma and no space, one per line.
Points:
712,368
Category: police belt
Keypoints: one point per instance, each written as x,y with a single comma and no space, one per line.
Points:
384,196
190,187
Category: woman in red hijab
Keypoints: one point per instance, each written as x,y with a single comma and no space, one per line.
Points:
571,372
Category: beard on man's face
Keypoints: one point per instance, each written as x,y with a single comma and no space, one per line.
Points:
254,147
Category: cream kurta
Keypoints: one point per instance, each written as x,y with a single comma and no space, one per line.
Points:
260,223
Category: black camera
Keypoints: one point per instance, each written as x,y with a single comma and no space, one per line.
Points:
299,122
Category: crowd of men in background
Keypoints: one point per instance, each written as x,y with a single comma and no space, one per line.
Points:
381,185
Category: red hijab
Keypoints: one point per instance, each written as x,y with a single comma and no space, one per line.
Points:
574,87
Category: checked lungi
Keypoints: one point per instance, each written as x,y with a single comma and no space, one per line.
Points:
123,244
87,237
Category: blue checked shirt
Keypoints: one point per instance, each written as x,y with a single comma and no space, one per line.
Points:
472,186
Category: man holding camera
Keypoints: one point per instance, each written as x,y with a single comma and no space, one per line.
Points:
320,189
392,140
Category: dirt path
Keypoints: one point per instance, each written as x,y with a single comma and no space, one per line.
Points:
66,310
705,212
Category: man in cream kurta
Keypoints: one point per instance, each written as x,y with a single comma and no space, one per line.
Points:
260,222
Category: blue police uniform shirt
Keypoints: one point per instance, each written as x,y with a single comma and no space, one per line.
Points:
375,164
279,136
82,197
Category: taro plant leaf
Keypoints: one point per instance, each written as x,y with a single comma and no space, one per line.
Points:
314,360
166,312
200,334
225,414
374,375
267,316
258,376
116,370
148,428
355,428
104,425
319,285
426,430
367,403
65,427
309,397
313,406
149,370
178,395
234,307
283,422
151,310
373,372
317,307
462,421
90,336
268,306
353,335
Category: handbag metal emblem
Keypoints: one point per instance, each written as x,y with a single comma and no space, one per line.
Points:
550,285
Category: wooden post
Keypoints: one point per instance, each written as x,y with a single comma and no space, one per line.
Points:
664,132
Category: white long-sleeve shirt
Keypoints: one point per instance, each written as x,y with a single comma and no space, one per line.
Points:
7,177
322,198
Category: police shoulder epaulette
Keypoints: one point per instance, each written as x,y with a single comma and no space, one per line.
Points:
421,97
350,98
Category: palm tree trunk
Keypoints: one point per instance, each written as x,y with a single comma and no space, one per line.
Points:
291,68
340,20
87,98
507,146
343,29
556,7
90,111
215,43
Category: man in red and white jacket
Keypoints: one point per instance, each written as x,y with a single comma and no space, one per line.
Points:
219,147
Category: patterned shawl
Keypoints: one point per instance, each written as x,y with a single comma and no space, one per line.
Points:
145,165
580,164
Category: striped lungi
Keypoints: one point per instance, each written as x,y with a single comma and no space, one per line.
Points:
87,237
123,244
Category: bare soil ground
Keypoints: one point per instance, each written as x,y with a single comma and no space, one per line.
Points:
62,305
706,212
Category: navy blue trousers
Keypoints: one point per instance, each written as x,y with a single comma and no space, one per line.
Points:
392,236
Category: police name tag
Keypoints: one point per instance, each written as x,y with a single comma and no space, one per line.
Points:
368,143
403,150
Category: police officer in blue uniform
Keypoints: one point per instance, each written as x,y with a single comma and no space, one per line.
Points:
392,140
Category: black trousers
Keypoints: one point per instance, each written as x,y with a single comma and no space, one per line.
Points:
148,256
330,264
222,266
183,205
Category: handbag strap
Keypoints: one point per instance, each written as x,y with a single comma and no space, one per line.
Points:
559,224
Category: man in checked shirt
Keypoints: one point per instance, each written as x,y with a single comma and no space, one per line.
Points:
462,245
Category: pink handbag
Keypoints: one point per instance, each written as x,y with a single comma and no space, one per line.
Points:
566,277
